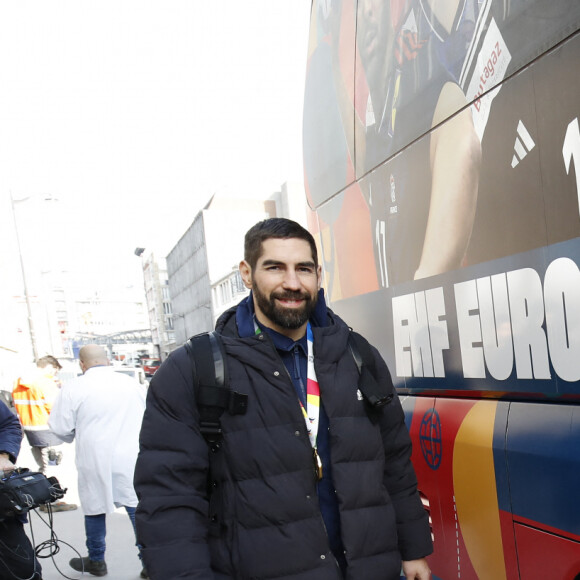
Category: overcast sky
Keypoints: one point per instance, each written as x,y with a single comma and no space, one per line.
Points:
133,112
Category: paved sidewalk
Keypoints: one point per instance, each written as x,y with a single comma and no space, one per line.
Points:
69,532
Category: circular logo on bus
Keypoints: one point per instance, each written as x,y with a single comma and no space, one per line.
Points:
430,438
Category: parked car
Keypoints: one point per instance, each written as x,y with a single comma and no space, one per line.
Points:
150,365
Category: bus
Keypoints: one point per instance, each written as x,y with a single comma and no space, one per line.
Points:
442,169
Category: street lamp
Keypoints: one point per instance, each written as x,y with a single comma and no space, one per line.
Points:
13,202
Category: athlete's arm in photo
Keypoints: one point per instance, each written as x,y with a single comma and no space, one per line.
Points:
455,160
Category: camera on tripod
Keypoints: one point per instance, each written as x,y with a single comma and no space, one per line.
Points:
22,490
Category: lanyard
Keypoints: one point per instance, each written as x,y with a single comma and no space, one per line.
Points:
311,413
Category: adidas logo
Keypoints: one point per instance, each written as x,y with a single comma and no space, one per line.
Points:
523,145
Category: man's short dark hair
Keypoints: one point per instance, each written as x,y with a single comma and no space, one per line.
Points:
44,361
280,228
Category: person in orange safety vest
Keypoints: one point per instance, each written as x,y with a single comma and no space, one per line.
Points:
33,396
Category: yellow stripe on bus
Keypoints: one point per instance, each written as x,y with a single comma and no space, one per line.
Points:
476,494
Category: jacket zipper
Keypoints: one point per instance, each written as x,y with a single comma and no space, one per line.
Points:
315,486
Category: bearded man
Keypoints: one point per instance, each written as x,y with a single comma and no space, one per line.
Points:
303,486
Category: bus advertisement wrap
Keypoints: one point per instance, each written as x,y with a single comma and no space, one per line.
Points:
442,168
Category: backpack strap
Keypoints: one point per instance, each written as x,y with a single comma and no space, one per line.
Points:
211,382
377,391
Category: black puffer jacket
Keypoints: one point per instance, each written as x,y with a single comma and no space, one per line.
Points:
264,520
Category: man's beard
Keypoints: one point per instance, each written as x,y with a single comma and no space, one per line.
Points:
289,318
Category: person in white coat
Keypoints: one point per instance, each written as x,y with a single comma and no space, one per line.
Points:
102,410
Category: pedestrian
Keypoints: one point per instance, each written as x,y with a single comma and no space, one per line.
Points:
34,394
102,410
258,504
17,557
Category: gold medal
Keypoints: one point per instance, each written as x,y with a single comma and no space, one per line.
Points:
317,465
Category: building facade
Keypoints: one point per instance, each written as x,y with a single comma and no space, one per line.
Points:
159,305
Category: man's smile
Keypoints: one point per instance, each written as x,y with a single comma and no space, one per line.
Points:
290,302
